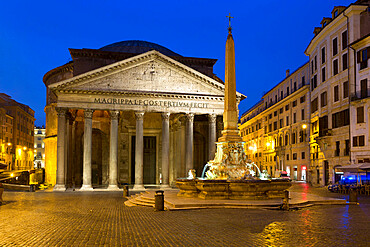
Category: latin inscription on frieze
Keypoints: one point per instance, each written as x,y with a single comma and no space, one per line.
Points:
160,103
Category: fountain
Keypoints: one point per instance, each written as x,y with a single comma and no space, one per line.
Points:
230,174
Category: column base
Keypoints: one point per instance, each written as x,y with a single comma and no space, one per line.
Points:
86,187
60,187
138,187
113,187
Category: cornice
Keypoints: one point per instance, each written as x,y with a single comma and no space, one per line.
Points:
64,68
145,94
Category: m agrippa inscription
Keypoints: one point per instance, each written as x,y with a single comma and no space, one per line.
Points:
160,103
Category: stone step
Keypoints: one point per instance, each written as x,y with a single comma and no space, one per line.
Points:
144,200
129,204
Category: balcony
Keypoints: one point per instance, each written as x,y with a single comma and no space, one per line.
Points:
325,133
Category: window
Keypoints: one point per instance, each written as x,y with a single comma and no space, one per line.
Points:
302,99
323,55
270,127
302,136
362,58
359,141
270,116
39,145
360,114
286,139
323,74
294,156
346,150
303,80
315,63
312,67
336,93
313,82
364,90
287,120
281,123
293,138
275,125
335,67
314,105
335,47
340,119
294,103
345,89
281,110
337,148
303,155
324,99
295,86
275,113
286,107
344,40
294,117
336,13
276,98
287,91
345,62
287,157
302,114
281,94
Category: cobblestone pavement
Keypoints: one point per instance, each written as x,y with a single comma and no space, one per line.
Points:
101,219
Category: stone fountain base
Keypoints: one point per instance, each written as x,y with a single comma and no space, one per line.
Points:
232,189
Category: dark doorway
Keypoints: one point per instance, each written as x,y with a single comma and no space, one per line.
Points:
96,158
318,176
149,160
199,153
326,174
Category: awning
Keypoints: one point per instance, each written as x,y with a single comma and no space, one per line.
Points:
362,167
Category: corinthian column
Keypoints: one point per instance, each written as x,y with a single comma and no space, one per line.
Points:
139,151
87,150
60,181
113,151
211,136
165,148
189,141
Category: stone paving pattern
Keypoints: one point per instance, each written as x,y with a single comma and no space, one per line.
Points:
101,219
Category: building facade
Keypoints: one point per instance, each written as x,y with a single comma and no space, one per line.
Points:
39,147
336,75
276,131
17,122
132,112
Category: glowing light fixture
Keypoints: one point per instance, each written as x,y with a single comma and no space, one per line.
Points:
9,144
25,148
12,175
304,126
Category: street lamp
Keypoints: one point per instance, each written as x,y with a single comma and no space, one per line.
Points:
304,126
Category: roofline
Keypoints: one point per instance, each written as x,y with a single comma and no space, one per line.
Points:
291,74
360,39
252,107
322,28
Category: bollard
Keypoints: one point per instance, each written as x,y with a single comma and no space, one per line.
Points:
159,200
285,205
1,193
125,191
353,195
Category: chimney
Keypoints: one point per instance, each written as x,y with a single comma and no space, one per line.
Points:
287,73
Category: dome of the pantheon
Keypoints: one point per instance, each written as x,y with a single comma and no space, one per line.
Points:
137,47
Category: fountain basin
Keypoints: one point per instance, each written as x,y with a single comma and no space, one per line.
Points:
187,187
232,189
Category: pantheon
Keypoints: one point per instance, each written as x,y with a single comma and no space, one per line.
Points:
132,112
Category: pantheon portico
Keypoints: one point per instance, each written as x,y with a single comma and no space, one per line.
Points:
130,113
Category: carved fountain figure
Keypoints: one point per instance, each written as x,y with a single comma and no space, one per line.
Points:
230,174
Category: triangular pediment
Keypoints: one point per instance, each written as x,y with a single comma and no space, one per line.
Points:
151,72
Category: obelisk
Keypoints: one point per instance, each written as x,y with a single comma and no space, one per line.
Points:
230,132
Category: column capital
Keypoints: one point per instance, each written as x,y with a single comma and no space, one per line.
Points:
139,115
114,114
88,113
190,117
212,118
61,111
165,116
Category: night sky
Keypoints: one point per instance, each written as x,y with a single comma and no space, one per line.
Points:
270,37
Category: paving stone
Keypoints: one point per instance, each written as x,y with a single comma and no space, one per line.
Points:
102,219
